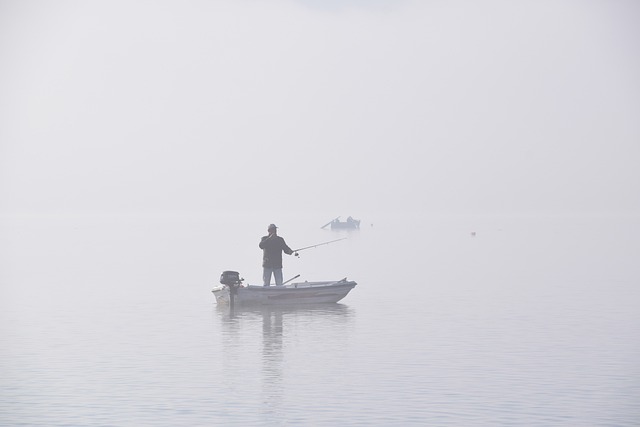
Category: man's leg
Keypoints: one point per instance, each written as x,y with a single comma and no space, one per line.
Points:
266,276
277,273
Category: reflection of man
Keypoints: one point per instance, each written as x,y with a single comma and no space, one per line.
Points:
272,247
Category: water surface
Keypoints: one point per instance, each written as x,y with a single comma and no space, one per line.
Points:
531,321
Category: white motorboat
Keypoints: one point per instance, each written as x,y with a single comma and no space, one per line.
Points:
290,293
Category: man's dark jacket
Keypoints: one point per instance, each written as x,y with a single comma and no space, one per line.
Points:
272,249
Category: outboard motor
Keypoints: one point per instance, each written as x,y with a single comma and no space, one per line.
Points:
233,281
230,278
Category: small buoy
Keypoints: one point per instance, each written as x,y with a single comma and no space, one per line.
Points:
473,234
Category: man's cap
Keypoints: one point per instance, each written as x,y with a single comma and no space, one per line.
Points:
272,227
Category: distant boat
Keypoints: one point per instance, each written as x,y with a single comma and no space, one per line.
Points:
288,294
349,224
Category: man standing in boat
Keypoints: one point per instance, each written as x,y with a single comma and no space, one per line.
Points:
272,247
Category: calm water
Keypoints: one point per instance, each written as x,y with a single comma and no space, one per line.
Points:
109,321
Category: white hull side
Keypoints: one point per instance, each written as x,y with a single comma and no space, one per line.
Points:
297,293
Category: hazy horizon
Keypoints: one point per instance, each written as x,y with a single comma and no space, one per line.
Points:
308,106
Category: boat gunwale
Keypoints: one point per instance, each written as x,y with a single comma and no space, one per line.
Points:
301,286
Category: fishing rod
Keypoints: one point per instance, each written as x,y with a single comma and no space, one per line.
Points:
314,246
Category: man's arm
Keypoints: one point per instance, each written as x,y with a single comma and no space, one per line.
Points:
286,249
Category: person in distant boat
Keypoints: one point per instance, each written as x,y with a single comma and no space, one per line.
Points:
272,248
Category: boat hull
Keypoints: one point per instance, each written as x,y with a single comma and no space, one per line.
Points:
353,225
292,294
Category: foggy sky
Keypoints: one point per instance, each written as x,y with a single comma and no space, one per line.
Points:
345,107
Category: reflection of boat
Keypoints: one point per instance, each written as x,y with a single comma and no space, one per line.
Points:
291,311
289,294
